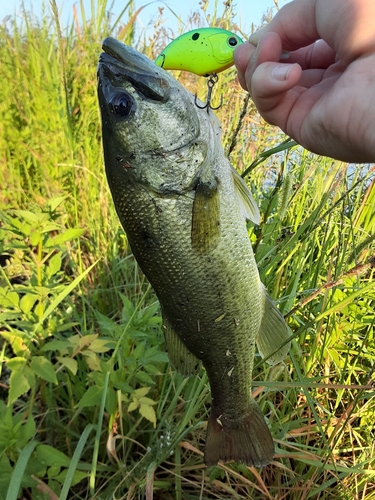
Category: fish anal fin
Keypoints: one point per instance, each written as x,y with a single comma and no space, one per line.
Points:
205,227
249,208
247,440
180,357
273,335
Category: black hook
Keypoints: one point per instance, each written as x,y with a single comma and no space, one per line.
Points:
211,82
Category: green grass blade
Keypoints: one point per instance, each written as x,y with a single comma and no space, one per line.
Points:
99,427
74,462
67,290
19,471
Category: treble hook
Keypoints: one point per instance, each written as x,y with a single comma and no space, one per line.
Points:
211,82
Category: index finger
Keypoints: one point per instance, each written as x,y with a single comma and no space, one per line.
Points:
347,26
294,23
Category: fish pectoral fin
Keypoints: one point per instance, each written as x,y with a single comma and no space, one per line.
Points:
180,357
249,208
205,226
273,335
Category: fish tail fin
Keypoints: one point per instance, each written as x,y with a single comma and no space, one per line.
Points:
247,440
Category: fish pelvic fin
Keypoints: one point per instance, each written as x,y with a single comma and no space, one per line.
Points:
179,355
273,335
247,440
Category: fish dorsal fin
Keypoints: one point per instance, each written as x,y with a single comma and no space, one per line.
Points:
179,355
205,227
273,333
249,208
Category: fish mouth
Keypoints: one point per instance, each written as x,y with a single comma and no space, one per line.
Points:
120,63
120,66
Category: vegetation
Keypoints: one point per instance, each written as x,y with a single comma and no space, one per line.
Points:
89,406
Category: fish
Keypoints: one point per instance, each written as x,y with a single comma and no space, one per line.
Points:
203,51
184,209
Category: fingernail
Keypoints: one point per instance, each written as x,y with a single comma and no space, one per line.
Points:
281,72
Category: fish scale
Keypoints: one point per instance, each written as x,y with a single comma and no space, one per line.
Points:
177,304
184,210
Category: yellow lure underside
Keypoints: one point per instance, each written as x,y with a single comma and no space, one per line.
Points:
202,51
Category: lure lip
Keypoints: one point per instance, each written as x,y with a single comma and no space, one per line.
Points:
160,60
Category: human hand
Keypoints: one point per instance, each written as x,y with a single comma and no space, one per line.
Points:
323,94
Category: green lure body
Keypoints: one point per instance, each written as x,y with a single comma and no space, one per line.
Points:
202,51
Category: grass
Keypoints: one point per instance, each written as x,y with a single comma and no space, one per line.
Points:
90,407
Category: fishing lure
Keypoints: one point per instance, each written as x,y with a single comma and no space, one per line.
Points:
203,51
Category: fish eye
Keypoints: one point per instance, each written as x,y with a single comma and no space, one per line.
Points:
195,36
232,41
122,104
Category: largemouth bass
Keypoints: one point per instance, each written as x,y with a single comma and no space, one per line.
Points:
184,210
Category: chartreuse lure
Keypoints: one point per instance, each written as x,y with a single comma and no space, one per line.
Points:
203,51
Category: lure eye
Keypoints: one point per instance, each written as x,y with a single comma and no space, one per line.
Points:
195,36
232,41
122,104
